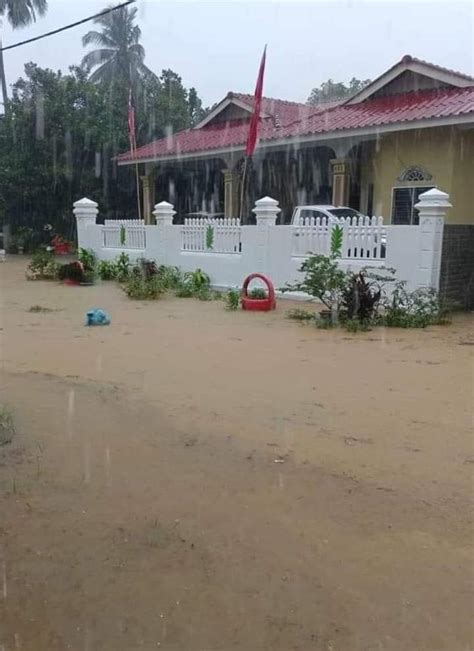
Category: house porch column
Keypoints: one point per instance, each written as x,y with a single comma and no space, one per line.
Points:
231,193
146,194
341,181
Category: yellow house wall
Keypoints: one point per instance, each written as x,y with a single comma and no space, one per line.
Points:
447,153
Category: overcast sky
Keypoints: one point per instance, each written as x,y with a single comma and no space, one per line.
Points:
216,46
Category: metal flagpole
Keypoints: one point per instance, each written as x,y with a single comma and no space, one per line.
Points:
133,144
138,190
242,189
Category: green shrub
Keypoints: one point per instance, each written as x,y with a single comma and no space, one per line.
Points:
184,291
323,280
122,267
145,268
204,294
139,288
300,315
106,270
416,309
191,283
88,277
171,277
40,308
71,271
355,325
197,279
42,266
7,428
88,259
232,299
257,292
364,292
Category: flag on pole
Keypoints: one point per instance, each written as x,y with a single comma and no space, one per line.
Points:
133,146
257,103
131,124
253,128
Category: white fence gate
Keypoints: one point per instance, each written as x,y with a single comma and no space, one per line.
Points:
212,235
124,235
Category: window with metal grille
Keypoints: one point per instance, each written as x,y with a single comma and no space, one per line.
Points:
403,204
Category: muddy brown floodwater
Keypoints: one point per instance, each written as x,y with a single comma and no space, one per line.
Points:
194,479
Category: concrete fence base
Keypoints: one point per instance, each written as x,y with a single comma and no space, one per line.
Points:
228,252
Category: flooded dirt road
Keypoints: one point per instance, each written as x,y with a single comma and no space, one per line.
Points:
193,479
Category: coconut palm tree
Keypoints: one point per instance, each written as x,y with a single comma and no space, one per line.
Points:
19,13
120,55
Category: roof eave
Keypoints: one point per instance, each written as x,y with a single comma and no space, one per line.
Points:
426,123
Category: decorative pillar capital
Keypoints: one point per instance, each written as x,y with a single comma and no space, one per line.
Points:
266,211
433,203
164,213
86,211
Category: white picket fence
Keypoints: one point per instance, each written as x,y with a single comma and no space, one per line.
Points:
124,236
227,251
311,234
126,222
363,237
212,235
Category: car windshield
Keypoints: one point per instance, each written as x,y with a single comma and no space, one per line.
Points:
344,212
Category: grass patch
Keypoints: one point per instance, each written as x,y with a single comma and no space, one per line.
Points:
40,308
7,428
300,315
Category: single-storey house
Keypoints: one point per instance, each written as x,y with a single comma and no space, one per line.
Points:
410,130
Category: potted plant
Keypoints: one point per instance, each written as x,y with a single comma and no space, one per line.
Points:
258,299
22,239
60,245
88,277
71,273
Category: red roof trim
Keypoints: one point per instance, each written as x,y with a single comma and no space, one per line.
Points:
372,113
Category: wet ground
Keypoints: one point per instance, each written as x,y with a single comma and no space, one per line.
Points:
192,479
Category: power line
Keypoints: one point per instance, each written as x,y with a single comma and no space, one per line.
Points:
62,29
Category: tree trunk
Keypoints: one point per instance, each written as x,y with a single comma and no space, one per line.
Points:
3,82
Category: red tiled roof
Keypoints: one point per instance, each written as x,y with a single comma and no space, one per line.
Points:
391,109
409,59
285,112
291,120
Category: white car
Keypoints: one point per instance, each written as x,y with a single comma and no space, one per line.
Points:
301,212
322,211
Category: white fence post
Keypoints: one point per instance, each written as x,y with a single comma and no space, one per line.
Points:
266,211
432,207
163,213
86,211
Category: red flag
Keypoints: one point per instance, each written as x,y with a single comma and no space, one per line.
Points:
131,123
257,102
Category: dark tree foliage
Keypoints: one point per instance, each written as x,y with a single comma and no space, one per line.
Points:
330,90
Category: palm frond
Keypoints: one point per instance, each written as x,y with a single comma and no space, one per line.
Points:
146,73
22,12
137,50
95,38
97,58
106,73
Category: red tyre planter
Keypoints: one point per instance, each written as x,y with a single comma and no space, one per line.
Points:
71,283
61,249
258,304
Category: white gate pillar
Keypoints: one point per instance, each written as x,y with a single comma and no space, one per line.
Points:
164,231
86,211
266,211
432,207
